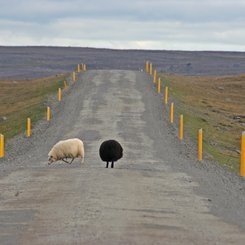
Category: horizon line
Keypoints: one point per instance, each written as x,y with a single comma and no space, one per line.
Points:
117,49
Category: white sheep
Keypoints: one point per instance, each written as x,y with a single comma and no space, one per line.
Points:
65,149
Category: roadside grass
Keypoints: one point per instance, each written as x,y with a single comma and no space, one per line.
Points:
20,99
215,104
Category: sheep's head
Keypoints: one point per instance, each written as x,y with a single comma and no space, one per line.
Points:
51,159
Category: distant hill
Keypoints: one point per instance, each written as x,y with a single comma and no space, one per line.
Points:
30,62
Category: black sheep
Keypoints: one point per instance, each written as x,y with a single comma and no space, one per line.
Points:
110,151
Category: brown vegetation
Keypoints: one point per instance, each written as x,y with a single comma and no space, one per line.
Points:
20,99
216,104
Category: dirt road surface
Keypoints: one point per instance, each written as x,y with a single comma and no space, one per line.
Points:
157,194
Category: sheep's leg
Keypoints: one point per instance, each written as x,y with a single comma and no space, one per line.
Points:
82,159
64,160
71,160
107,163
112,164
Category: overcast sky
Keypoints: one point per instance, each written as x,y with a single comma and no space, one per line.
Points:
138,24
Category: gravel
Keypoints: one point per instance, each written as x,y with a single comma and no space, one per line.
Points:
157,193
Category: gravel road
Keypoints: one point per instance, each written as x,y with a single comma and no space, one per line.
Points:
158,193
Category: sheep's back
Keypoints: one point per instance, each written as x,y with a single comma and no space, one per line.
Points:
68,148
110,150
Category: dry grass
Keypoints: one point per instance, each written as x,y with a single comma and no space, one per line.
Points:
215,104
20,99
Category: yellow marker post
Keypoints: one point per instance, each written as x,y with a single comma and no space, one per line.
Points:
166,96
146,66
74,76
59,94
155,76
1,145
150,68
172,112
159,85
48,114
65,85
83,67
78,68
242,164
181,127
28,127
200,144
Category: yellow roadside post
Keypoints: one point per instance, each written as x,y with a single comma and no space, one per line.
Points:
146,66
28,127
65,85
78,68
242,164
159,85
1,145
74,76
84,67
172,112
155,76
181,127
166,96
150,68
200,144
59,94
48,113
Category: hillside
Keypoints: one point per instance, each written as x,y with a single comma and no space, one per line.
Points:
29,62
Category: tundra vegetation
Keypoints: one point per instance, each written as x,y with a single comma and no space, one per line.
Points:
20,99
215,104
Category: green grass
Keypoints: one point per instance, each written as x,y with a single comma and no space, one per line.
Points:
205,107
26,99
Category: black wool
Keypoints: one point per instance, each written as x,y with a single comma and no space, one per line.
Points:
110,151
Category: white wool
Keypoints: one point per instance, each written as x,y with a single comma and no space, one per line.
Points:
70,148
